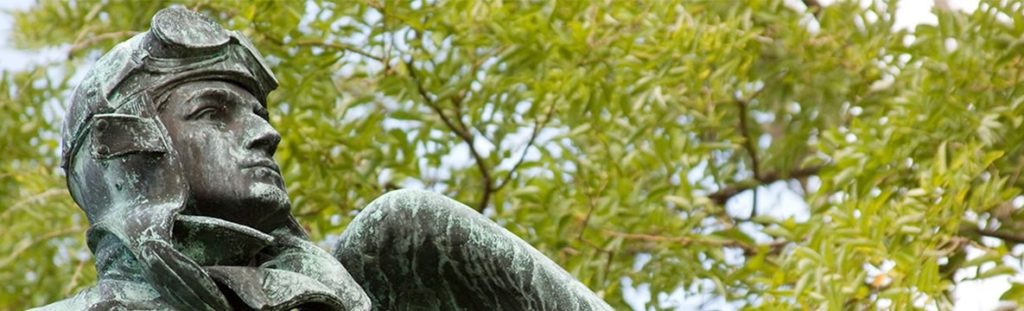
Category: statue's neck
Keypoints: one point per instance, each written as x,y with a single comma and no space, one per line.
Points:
262,216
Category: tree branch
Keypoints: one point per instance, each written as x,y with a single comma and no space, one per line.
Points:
74,277
33,199
748,144
591,205
338,46
723,195
462,133
533,137
322,44
22,247
774,246
1015,238
748,140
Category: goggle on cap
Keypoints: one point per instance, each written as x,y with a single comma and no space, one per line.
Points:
181,46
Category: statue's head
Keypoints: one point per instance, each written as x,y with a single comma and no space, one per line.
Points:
176,116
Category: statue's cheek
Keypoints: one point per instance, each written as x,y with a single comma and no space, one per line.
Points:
208,137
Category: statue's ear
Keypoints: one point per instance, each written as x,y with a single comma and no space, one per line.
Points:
120,134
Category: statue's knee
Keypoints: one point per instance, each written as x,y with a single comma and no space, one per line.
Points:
398,215
404,203
386,218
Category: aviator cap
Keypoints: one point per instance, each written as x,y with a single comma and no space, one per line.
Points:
181,46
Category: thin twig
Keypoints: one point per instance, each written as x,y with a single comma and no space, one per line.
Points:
39,239
607,265
774,246
33,199
462,133
723,195
338,46
1014,238
537,126
74,277
748,144
320,43
748,141
457,103
591,205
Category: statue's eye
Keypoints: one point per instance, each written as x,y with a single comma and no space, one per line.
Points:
205,113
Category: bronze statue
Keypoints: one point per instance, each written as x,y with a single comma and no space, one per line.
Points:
168,150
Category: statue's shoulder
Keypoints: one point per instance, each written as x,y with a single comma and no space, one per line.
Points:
111,295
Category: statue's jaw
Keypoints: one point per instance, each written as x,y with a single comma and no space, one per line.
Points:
212,241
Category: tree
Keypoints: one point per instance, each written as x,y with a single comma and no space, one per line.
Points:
632,142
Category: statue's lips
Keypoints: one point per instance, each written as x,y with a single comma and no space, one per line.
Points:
263,163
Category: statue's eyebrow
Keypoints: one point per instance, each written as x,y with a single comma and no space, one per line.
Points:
217,93
222,95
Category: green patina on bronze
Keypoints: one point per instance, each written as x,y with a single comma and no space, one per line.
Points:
168,150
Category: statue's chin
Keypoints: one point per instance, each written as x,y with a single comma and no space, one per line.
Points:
270,195
267,205
262,206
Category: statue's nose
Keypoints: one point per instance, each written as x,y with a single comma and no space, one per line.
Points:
264,137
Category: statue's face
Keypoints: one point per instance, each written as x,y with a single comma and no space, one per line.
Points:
226,148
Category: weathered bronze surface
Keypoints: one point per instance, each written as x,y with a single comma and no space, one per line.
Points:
168,150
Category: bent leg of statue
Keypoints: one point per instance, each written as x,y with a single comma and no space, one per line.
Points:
418,250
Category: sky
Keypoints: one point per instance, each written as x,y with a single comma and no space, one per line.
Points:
12,59
970,295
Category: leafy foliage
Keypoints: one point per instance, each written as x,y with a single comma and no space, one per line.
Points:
624,139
